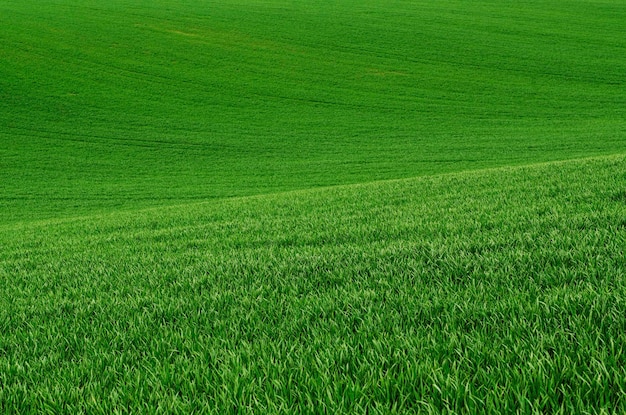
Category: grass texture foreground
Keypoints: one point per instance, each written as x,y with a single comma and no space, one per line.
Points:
276,206
495,291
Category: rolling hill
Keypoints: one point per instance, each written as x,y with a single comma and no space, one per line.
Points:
487,292
271,206
125,103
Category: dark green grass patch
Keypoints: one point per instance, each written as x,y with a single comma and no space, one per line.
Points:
498,291
127,104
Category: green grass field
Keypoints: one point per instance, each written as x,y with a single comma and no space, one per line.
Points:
272,206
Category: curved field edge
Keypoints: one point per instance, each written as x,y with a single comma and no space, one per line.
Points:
494,291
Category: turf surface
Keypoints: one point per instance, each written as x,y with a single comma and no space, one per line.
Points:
312,207
498,291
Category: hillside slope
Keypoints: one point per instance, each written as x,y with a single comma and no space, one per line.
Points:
492,291
125,103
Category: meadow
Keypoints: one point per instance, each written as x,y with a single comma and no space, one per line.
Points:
500,291
124,104
269,206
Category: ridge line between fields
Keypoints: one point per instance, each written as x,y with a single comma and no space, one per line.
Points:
39,222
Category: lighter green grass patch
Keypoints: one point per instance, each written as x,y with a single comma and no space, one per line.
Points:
487,292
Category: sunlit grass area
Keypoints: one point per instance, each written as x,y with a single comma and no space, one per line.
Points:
495,291
254,206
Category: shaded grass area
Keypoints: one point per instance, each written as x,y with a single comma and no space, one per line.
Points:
128,104
492,291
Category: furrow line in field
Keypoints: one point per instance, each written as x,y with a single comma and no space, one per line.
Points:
99,139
